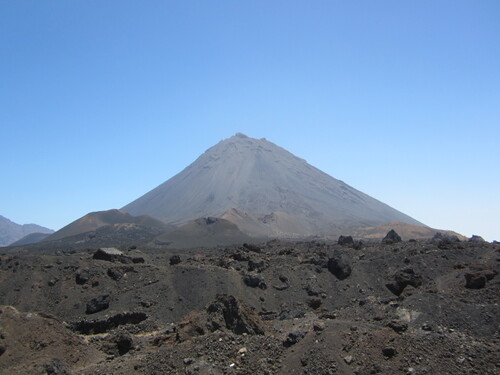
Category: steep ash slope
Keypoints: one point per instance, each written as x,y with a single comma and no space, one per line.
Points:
271,187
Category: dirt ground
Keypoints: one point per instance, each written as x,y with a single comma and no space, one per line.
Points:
416,307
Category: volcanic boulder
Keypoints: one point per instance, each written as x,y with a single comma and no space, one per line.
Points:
339,265
252,247
82,277
116,273
404,278
445,241
226,312
475,280
254,281
294,337
111,254
92,327
174,259
119,343
477,239
477,276
56,367
98,304
345,241
257,265
391,237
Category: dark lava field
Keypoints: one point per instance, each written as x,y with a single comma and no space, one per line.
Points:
415,307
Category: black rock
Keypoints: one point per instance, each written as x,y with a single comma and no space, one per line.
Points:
294,337
114,274
477,276
240,256
319,326
445,241
475,280
281,286
92,327
124,342
226,312
346,241
252,247
339,265
389,352
318,260
477,239
397,326
111,254
314,303
358,245
485,270
391,237
256,265
404,278
312,291
426,327
82,277
98,304
56,367
254,281
328,315
175,259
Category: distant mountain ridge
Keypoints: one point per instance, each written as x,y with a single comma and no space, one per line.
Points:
266,191
30,239
11,232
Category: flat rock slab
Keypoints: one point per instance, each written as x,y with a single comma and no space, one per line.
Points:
111,254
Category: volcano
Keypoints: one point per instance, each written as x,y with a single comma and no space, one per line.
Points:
266,191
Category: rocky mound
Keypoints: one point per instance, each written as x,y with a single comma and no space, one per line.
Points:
33,343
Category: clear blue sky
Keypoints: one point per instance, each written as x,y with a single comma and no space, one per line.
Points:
101,101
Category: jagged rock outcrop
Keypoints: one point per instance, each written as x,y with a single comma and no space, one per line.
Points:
391,237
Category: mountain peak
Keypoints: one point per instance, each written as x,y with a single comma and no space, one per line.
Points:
240,135
276,193
11,232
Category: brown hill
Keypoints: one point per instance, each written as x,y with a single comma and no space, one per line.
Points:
208,231
406,231
95,220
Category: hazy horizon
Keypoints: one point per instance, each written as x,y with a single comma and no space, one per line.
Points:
102,102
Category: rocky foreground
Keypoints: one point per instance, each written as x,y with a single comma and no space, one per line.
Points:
417,307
